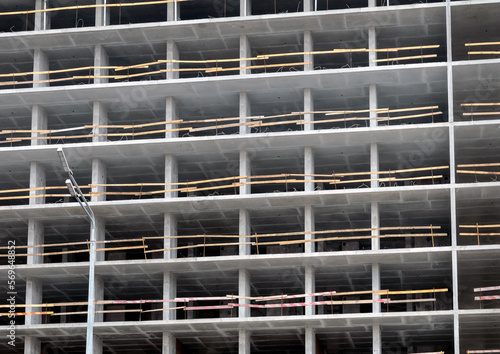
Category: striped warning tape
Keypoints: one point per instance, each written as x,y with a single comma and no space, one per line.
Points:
491,297
280,297
26,313
314,303
488,288
220,307
483,351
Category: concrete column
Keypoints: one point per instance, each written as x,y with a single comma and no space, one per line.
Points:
171,175
376,285
372,44
375,224
169,345
99,118
39,121
101,60
98,295
173,11
377,339
42,19
36,236
169,293
170,229
308,107
102,14
98,346
171,114
244,342
308,5
308,168
100,235
308,47
244,290
172,54
372,3
245,7
99,175
310,287
244,227
245,52
40,64
37,180
309,226
245,112
373,105
374,165
32,345
34,295
310,339
245,170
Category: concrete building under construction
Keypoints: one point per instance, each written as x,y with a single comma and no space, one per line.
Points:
267,176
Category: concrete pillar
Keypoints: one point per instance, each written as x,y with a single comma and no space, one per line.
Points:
172,54
98,295
37,180
101,60
32,345
245,170
244,342
171,175
40,64
372,44
308,5
375,224
376,285
99,118
373,105
169,293
244,290
245,52
245,7
100,235
42,19
99,176
309,226
245,112
374,165
39,121
170,229
36,235
34,295
244,229
169,345
308,47
98,346
308,107
102,14
310,287
171,114
377,339
309,168
173,11
310,340
372,3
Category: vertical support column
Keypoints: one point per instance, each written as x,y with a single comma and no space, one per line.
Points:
34,294
245,170
173,11
101,60
98,345
171,115
36,236
309,227
99,176
372,45
377,339
169,343
171,176
245,112
308,5
98,295
375,224
243,291
308,47
37,180
100,235
310,287
99,120
245,8
39,121
309,168
244,229
245,52
170,229
374,165
172,54
372,3
310,340
308,107
244,342
40,64
32,345
102,14
376,285
373,105
169,293
42,19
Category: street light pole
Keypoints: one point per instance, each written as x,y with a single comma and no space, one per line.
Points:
75,191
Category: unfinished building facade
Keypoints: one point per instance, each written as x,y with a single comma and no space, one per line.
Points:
267,176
